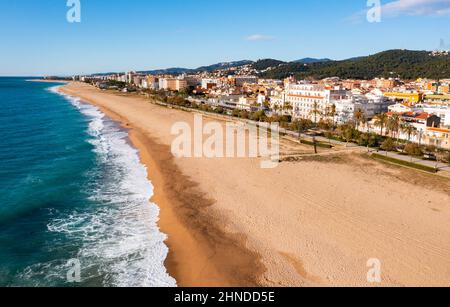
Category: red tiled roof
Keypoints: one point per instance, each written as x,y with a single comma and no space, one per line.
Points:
423,116
415,115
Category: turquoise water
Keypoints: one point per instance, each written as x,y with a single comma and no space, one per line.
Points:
72,188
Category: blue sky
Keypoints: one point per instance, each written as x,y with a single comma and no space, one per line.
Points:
119,35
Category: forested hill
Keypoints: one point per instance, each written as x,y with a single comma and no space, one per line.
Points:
406,64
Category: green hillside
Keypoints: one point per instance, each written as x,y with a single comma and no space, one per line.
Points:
393,63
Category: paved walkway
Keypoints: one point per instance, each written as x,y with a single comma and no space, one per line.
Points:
440,166
353,146
434,164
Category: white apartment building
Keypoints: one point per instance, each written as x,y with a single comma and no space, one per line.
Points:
129,77
372,103
162,83
306,97
345,110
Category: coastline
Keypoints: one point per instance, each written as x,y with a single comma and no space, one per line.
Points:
232,224
48,81
194,259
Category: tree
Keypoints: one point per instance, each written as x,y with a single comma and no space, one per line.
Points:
393,125
286,118
381,121
413,150
346,132
274,119
324,125
276,108
236,112
288,107
431,149
443,156
374,140
315,112
244,114
331,113
408,129
259,116
359,117
219,110
388,145
363,139
301,126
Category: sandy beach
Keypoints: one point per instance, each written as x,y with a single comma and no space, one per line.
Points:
314,222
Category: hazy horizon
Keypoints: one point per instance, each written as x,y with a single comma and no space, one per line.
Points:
206,64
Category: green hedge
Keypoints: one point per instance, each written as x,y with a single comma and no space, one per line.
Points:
321,145
405,163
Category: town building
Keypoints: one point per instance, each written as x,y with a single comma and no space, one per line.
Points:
312,101
172,84
242,80
410,97
152,82
210,83
247,103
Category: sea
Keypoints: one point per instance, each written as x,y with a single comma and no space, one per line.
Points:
74,196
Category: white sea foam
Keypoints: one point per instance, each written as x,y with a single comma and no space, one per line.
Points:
121,242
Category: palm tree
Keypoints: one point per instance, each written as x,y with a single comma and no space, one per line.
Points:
381,121
345,131
288,107
276,108
408,129
331,112
394,125
359,117
315,112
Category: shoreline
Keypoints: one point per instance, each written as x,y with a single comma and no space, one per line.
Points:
231,223
193,258
48,81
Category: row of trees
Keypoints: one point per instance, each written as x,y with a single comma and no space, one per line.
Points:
394,125
348,133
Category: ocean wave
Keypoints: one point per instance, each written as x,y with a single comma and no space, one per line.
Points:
121,244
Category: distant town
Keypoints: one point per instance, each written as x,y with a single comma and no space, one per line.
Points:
409,111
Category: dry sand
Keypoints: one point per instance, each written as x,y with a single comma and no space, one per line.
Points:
304,223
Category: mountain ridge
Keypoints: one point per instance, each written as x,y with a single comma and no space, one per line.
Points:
407,64
312,60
